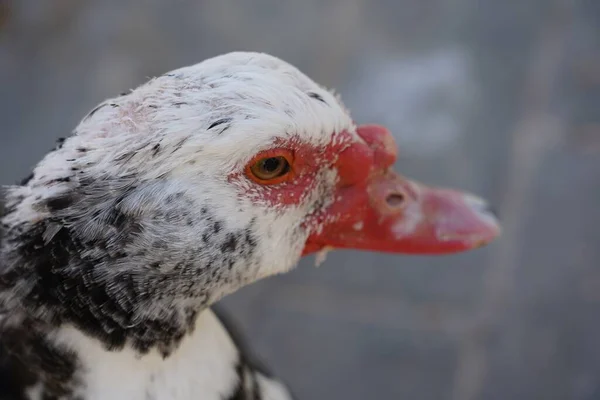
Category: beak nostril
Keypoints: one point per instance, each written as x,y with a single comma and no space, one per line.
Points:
395,200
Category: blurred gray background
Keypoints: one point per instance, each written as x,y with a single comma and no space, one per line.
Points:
500,97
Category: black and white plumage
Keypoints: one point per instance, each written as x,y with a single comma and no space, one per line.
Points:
123,237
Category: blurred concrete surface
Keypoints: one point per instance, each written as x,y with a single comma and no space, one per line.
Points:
497,97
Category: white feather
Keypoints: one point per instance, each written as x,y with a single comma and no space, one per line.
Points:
202,368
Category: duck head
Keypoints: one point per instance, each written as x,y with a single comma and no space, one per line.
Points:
201,181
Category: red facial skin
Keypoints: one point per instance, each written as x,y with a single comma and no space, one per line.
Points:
373,207
306,162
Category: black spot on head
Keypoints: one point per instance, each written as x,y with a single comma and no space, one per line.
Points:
116,218
59,202
217,227
174,197
173,216
126,157
160,244
60,142
180,103
155,149
250,239
91,113
179,144
229,244
59,180
221,122
27,179
316,96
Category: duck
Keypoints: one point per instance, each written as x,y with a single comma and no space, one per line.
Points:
170,196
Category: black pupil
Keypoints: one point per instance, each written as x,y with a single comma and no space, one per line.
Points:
271,164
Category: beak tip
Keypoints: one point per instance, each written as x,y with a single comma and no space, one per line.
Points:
482,208
485,226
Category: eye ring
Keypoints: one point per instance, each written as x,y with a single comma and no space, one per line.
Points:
271,167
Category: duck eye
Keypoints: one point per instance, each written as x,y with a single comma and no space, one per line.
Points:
270,168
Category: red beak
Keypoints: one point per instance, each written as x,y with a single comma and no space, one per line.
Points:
377,209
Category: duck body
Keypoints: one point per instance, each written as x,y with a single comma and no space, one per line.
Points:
168,198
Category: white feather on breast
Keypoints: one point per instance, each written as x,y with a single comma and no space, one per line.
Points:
203,367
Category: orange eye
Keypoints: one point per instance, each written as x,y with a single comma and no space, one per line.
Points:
270,168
